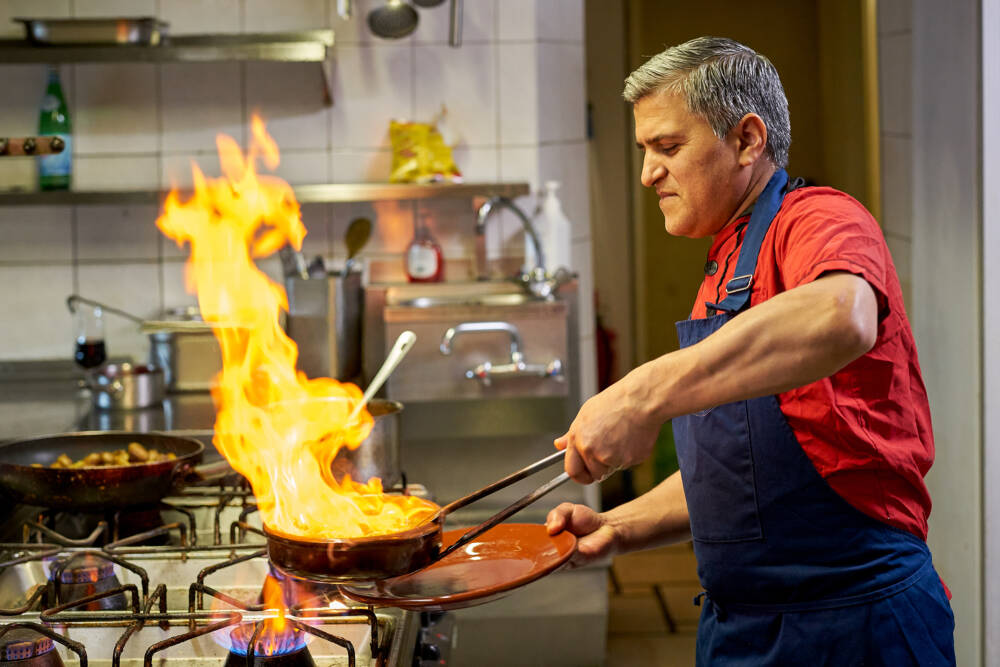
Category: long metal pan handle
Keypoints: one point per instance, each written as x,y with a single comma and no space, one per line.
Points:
506,513
74,299
501,484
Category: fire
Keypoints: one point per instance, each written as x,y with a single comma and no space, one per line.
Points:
277,427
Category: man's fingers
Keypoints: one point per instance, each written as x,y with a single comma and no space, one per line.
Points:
556,520
575,466
561,441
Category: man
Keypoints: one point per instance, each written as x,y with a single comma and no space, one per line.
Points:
800,417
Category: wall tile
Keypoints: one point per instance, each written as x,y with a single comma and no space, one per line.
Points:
134,288
896,84
451,223
36,234
518,93
18,174
43,327
289,97
105,8
519,165
117,233
567,164
478,23
355,30
895,16
136,172
175,169
198,17
897,185
115,110
560,20
517,20
303,167
175,295
476,164
392,228
10,9
20,111
287,15
318,241
360,166
370,87
465,83
562,104
189,122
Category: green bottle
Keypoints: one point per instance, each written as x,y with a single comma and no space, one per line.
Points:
54,170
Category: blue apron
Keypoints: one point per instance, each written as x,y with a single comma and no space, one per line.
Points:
793,574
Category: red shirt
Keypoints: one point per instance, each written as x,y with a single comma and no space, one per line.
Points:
866,428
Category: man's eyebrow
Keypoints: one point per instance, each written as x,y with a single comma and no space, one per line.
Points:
667,136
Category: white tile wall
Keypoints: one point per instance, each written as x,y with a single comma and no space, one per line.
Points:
515,100
10,9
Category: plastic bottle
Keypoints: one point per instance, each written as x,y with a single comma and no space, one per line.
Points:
54,171
424,259
558,231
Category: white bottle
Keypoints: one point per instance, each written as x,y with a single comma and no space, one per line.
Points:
558,235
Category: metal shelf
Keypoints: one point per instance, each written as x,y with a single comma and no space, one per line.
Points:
305,194
308,46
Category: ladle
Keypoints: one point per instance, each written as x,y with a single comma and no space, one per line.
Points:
396,354
394,20
355,238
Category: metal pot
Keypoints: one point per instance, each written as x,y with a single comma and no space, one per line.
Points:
324,320
378,454
126,387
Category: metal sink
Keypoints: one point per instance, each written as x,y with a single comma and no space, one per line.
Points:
491,293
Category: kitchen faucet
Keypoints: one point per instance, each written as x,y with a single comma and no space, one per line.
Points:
493,204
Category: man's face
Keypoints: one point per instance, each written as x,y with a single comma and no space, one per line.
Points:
696,174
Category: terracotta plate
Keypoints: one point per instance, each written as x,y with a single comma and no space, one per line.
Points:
491,566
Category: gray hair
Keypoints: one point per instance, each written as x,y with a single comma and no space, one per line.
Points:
721,81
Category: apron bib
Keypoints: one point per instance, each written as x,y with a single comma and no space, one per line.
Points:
793,574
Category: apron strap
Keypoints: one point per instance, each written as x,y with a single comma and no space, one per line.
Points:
764,210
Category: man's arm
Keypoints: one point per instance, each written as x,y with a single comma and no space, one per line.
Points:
797,337
655,518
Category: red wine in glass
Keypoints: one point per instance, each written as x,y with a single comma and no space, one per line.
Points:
90,353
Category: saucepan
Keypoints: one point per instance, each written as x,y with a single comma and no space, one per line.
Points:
26,475
384,556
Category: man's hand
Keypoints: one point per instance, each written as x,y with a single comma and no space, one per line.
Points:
612,431
597,536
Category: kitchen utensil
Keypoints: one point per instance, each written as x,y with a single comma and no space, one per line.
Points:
324,320
126,30
293,263
396,354
98,488
17,146
488,568
394,20
126,387
378,455
355,238
455,26
384,556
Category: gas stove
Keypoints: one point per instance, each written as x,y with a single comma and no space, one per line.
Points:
186,589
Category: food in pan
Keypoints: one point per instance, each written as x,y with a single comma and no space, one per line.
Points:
134,454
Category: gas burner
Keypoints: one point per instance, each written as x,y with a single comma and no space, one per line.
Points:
23,647
84,575
273,647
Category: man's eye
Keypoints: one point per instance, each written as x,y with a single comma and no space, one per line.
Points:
669,149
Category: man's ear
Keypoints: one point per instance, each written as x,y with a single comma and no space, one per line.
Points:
750,135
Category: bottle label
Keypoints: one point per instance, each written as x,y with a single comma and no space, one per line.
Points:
422,261
58,164
50,103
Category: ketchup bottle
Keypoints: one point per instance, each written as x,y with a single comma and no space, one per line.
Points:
424,260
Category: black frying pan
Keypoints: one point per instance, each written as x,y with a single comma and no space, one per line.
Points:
95,488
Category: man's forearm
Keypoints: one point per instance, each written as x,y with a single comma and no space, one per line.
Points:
795,338
655,518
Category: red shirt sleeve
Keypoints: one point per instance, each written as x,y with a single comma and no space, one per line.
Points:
826,230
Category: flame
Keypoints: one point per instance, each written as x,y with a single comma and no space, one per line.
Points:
277,427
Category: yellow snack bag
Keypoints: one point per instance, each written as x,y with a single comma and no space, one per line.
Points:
419,154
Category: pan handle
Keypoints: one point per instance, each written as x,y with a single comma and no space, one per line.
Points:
189,475
503,483
506,513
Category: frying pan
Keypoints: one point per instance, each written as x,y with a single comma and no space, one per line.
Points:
98,488
384,556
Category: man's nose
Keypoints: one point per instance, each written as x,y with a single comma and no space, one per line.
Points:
651,171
